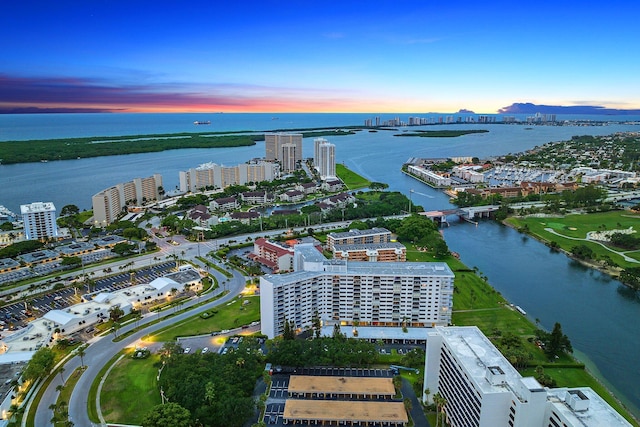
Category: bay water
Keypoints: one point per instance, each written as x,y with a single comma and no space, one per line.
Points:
596,312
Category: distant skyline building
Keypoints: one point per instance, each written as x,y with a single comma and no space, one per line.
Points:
324,158
109,203
285,148
39,220
220,176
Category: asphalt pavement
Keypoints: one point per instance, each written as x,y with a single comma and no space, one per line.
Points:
102,349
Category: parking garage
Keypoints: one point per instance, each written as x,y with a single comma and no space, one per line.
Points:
331,387
344,413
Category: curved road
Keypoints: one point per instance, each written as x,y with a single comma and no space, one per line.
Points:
102,349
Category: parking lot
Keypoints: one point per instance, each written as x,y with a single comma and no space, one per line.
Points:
17,315
278,393
222,342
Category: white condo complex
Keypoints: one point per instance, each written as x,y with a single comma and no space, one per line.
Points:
482,389
415,294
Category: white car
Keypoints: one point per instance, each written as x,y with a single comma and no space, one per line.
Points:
187,350
204,350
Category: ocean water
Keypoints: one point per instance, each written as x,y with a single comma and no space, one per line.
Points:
21,127
378,156
594,310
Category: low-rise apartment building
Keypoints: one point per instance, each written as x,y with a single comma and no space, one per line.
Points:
359,237
274,255
374,252
429,177
224,204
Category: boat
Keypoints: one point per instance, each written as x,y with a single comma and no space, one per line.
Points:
202,122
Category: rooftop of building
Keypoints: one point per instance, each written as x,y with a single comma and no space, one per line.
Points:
599,412
399,268
341,385
363,268
476,354
345,411
357,233
8,263
245,215
108,240
37,207
37,256
371,246
225,200
75,247
309,252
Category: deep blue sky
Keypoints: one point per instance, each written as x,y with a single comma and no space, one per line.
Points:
417,56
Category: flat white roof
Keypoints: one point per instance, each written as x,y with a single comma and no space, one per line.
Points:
163,283
37,207
60,317
475,353
599,412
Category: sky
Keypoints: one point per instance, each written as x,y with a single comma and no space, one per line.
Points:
317,56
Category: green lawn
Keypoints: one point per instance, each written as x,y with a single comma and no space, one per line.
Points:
65,394
130,390
351,179
229,316
577,226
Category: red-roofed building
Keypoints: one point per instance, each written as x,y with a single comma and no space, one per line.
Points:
273,255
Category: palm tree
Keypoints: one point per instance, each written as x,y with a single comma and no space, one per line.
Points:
59,388
440,402
81,353
13,410
115,328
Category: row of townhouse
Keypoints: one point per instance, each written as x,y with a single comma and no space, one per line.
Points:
429,176
524,189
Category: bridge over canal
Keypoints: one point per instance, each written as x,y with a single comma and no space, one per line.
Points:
467,214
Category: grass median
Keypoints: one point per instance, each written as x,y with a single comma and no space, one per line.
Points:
232,315
131,390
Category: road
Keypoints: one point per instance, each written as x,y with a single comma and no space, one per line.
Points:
102,349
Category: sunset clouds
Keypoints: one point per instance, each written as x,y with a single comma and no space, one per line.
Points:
279,56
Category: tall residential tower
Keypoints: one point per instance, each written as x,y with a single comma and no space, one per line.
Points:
324,158
285,148
39,220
